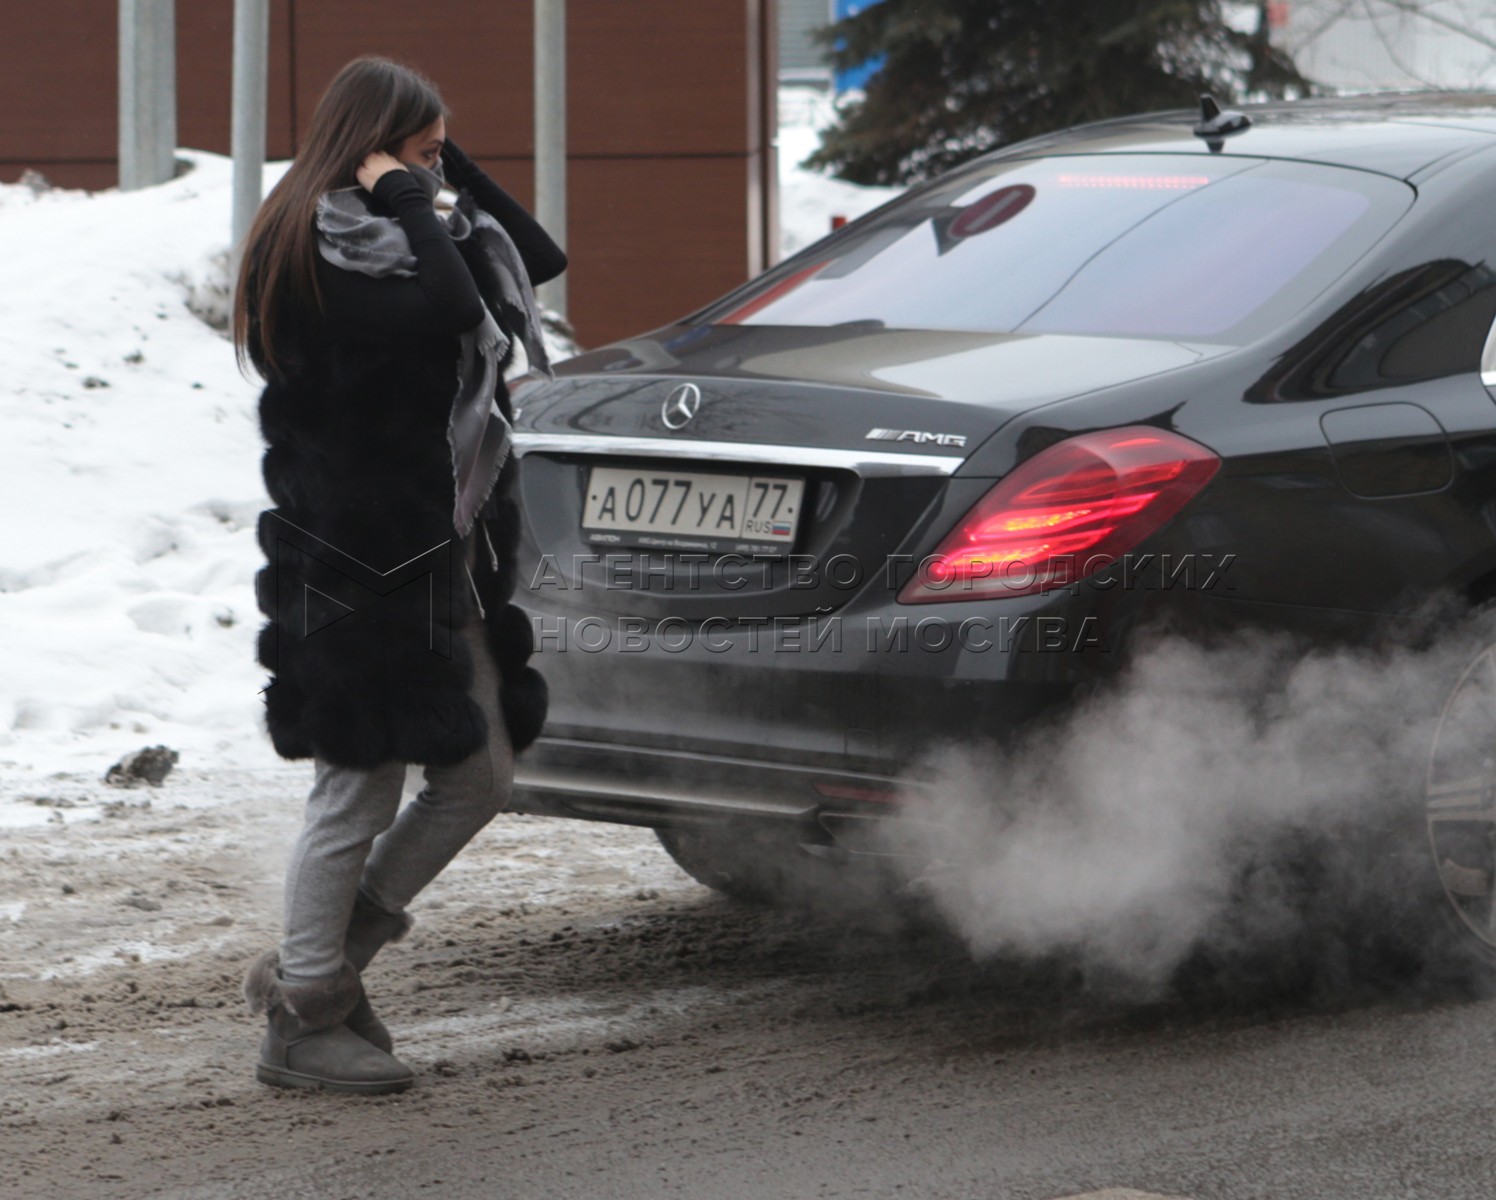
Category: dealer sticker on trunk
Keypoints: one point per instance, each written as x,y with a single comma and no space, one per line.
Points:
691,510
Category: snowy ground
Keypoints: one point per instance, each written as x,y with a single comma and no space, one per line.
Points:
130,472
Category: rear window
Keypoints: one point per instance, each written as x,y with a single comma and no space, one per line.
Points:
1155,246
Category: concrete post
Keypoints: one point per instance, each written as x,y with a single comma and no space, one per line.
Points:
147,92
550,134
251,58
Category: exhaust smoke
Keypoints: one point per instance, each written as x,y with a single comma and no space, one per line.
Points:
1231,799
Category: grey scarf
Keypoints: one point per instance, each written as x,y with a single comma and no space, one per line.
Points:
350,236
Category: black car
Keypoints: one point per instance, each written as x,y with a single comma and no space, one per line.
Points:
928,477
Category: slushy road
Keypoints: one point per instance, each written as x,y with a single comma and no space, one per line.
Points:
589,1023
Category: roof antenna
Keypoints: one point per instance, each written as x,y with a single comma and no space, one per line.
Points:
1216,126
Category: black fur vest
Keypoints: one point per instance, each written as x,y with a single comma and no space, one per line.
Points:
366,582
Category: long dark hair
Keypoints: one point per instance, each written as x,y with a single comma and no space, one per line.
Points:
372,104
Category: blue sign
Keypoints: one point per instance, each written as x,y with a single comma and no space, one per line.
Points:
856,77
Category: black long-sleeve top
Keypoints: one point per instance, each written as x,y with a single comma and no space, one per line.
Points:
442,298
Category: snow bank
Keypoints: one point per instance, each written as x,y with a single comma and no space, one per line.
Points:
808,200
129,475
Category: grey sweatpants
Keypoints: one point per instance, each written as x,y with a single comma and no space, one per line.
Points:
353,839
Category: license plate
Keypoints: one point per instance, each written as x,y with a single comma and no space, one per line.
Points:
691,510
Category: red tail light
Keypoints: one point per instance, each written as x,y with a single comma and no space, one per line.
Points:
1068,512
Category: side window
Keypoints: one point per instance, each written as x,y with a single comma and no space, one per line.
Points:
1426,322
1429,322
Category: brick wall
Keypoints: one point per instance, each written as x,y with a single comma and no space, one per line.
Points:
670,115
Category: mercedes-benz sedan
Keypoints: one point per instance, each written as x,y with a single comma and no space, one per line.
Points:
924,480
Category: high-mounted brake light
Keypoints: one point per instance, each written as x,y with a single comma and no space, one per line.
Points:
1067,513
1147,183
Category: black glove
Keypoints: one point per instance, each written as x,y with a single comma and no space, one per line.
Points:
457,167
543,258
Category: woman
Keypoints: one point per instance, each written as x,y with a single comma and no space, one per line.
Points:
383,329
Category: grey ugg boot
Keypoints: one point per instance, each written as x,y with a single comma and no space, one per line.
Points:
306,1041
370,928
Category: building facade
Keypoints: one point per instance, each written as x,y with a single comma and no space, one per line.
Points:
670,113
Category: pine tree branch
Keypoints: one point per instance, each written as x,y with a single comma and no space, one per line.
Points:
1426,11
1390,47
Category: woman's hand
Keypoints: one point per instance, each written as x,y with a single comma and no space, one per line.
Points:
375,167
457,166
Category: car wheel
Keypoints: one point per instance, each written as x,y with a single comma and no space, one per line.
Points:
775,865
1459,806
708,858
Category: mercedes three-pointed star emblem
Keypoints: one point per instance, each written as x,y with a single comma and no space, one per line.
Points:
680,406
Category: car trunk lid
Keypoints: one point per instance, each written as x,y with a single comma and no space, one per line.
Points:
870,425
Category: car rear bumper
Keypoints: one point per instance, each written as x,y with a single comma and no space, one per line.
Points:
636,785
794,721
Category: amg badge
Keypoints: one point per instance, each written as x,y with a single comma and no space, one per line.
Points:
918,436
